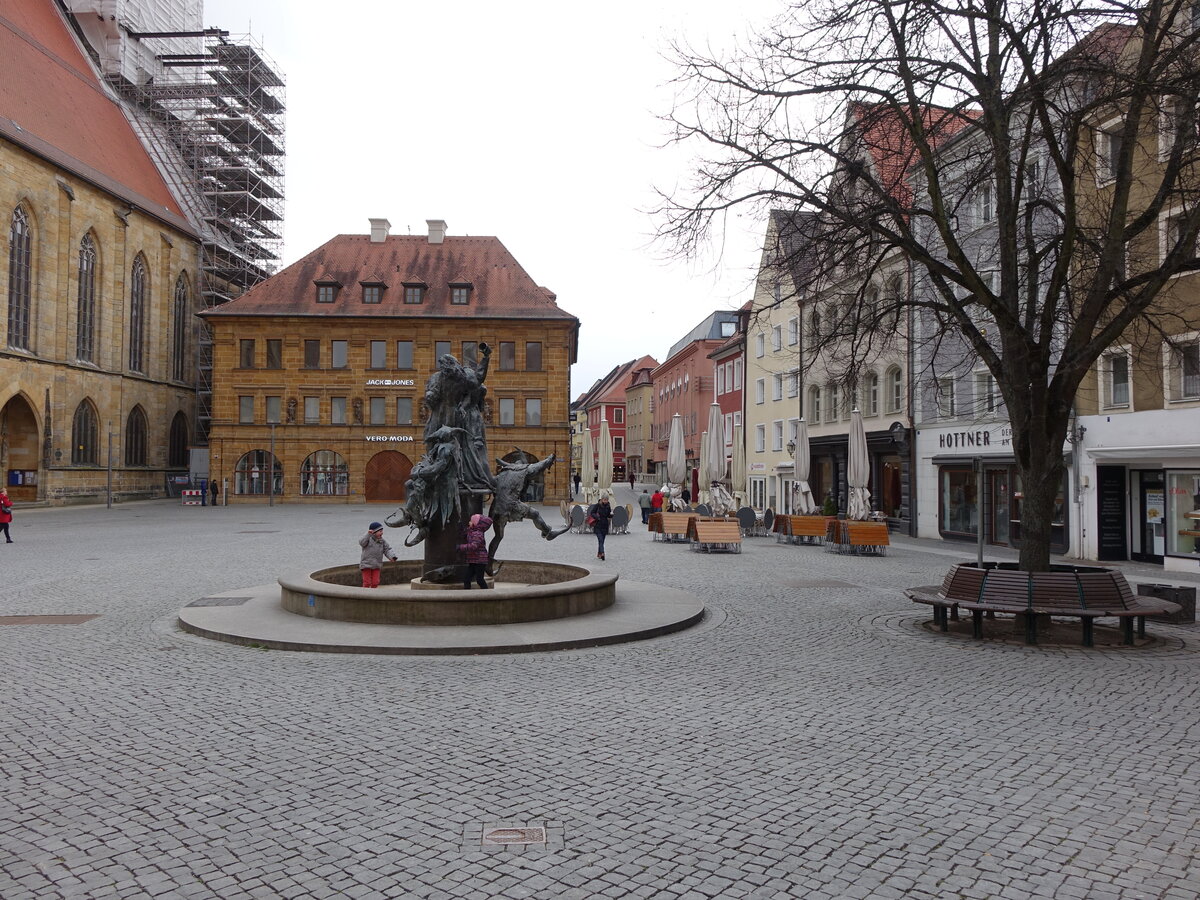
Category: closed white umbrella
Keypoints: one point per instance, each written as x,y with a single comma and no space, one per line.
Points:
858,471
714,440
676,452
588,469
702,494
737,468
604,469
805,503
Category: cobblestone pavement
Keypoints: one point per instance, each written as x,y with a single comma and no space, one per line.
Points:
811,739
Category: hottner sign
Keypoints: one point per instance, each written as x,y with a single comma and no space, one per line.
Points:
956,440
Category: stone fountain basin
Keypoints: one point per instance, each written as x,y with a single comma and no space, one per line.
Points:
527,591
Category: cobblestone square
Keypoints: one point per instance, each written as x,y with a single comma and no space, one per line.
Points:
809,739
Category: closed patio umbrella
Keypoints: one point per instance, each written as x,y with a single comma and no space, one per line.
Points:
858,471
587,470
676,452
604,468
805,503
737,468
702,493
714,441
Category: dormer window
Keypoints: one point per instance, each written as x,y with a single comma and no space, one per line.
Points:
327,291
460,293
372,291
414,292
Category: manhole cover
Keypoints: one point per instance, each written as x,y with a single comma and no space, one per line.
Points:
219,601
47,620
503,836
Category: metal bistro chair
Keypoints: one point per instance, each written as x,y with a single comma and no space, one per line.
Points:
747,520
620,520
767,521
578,515
703,509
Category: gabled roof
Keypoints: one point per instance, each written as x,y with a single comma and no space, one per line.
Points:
611,388
501,287
53,104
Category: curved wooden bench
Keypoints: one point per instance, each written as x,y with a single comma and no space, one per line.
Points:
1085,593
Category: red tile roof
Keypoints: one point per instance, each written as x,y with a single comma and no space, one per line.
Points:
886,137
53,104
500,287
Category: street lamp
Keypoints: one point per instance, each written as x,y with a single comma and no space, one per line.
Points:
791,448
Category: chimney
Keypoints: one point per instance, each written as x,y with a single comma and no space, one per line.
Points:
379,230
437,230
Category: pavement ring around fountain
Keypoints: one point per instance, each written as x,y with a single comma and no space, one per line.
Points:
608,611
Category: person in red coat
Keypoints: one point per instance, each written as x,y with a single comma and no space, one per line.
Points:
474,551
5,515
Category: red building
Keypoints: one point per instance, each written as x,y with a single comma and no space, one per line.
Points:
606,400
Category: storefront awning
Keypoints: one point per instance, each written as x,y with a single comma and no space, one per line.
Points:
1140,453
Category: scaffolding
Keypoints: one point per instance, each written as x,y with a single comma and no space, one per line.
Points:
214,120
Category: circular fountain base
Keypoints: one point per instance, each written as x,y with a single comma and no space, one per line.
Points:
525,592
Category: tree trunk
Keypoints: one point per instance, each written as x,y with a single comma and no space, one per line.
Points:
1041,482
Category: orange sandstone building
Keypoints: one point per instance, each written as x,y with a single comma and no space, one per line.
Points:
319,372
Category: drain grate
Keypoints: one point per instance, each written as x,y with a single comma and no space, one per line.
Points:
512,837
219,601
47,620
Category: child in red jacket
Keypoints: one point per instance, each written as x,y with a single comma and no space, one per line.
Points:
475,552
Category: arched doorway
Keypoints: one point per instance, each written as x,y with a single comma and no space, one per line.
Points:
20,449
386,473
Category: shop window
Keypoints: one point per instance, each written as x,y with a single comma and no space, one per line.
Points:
246,410
246,353
958,509
337,410
135,437
404,354
339,354
258,472
533,356
378,355
324,473
404,410
274,407
378,407
1183,514
533,411
312,354
507,410
312,410
274,353
508,356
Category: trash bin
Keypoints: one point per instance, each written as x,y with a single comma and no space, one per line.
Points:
1184,596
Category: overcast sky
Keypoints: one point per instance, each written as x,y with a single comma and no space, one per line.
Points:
532,121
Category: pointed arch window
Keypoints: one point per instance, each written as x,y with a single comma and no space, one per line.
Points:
20,279
179,335
137,316
177,443
135,438
84,437
85,322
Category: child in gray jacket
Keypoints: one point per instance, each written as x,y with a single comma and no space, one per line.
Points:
374,549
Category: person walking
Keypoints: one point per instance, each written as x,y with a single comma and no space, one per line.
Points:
212,486
374,549
601,514
474,551
5,515
632,486
644,502
656,501
577,480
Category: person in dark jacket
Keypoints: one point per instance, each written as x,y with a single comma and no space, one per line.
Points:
601,512
475,552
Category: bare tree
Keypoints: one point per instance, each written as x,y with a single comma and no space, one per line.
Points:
1067,128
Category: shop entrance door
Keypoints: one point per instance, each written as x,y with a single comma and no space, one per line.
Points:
385,477
1152,515
1001,503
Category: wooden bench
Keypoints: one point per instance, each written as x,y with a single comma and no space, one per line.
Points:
802,528
716,534
672,526
1077,592
864,537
